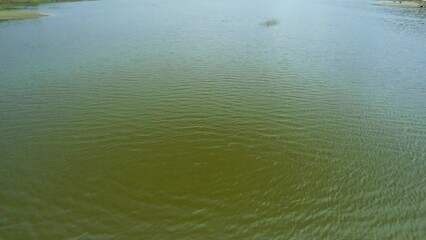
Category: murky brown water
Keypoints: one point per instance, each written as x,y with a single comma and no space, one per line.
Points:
193,120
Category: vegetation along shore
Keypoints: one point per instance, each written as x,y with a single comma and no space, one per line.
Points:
7,7
9,15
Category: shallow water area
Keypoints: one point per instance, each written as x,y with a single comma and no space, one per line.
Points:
191,119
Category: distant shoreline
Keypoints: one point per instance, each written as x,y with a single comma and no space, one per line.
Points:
7,8
405,4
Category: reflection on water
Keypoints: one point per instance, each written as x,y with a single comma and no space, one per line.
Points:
189,119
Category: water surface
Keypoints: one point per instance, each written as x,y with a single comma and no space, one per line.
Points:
191,119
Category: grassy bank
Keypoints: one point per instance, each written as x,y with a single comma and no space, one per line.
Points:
8,15
7,5
19,4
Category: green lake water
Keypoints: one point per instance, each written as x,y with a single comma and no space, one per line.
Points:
192,119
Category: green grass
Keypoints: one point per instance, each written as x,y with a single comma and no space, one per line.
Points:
19,4
8,15
22,4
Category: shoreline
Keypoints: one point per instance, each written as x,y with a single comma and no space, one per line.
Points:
10,10
404,4
12,15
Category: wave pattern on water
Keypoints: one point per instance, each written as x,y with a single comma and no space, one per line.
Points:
220,128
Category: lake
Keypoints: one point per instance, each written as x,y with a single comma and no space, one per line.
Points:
197,119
